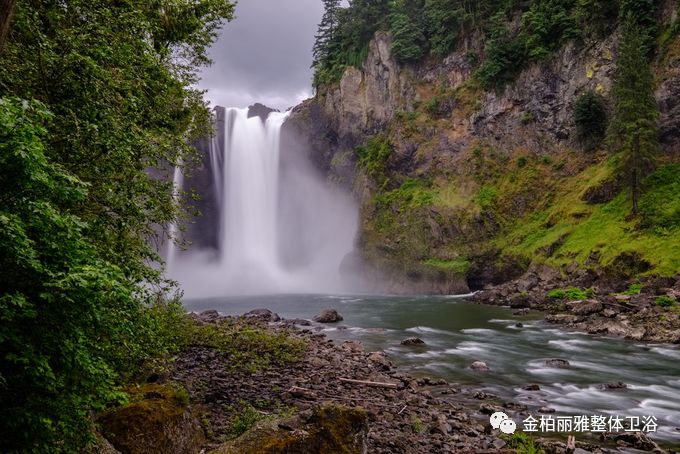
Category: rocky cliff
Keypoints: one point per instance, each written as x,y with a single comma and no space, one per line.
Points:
473,185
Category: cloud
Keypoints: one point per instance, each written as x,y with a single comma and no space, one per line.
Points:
264,54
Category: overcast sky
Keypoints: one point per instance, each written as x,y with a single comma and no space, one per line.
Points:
264,54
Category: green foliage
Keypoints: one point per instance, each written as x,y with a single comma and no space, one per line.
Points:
590,117
459,265
596,16
79,208
572,293
634,130
407,35
545,25
244,421
486,197
665,301
633,289
444,20
373,157
417,424
248,348
523,443
63,310
413,193
660,202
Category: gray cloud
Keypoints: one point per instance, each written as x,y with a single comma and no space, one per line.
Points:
264,54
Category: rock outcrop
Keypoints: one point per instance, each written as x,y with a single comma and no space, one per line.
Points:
157,421
328,428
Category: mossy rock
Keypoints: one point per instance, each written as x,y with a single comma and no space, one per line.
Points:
329,429
157,420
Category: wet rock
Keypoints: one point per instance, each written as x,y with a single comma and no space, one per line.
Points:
480,366
546,410
157,422
329,428
637,440
523,311
381,359
613,385
413,341
588,307
557,363
531,387
260,110
489,409
301,322
519,325
328,316
263,314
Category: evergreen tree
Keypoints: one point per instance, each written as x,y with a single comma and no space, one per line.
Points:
634,129
325,32
407,37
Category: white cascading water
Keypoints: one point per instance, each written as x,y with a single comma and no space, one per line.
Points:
277,232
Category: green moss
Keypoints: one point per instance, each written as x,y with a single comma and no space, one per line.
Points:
571,293
633,289
412,193
374,155
248,348
459,265
523,443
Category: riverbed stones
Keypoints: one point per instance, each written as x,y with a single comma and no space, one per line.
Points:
613,386
328,316
531,387
479,366
557,363
413,341
263,314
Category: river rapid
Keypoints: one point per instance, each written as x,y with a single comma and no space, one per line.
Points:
457,332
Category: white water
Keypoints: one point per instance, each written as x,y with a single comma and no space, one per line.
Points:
281,228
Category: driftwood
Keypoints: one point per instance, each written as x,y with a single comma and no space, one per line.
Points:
376,384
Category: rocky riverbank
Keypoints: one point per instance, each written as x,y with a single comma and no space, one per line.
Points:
331,398
644,309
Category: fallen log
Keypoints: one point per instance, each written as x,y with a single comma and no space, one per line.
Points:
376,384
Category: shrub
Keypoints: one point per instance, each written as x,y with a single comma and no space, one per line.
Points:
633,289
374,155
590,117
571,293
665,301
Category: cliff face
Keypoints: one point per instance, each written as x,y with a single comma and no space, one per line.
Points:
456,202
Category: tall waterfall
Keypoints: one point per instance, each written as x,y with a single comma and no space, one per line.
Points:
270,223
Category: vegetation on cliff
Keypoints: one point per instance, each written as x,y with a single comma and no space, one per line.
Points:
92,96
455,189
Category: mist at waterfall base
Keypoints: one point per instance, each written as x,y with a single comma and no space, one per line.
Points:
270,223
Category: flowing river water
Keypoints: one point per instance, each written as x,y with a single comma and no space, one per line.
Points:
458,332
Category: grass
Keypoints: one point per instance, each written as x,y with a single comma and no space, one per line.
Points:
248,348
571,293
633,289
665,301
459,265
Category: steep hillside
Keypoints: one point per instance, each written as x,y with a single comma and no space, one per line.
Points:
462,185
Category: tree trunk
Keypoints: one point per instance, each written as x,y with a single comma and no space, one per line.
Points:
6,11
636,190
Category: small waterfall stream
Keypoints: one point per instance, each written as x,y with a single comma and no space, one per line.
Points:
273,226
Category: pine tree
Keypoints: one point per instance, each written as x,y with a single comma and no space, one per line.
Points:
325,32
408,40
634,130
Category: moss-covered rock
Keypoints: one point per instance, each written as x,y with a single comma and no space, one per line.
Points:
157,420
329,429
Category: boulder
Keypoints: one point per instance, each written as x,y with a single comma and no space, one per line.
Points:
557,363
157,421
330,428
328,316
479,366
413,341
531,387
588,307
263,314
381,359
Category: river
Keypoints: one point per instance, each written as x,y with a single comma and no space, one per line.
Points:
457,332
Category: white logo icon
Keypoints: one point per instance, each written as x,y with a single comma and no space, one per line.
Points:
500,420
508,426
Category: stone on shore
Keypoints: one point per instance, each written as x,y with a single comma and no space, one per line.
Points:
263,314
328,316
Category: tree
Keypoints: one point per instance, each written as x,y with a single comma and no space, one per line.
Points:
408,40
6,12
325,32
92,96
634,128
590,117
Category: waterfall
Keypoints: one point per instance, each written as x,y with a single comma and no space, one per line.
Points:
271,224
